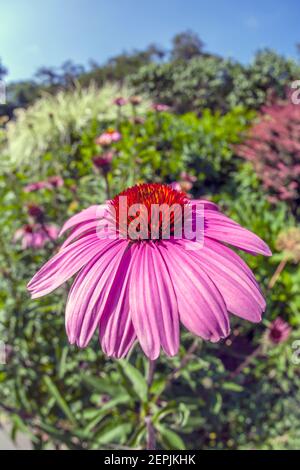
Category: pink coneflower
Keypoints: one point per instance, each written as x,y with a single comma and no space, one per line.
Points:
141,289
55,181
36,186
278,331
187,177
36,212
36,235
160,107
120,101
176,185
50,183
108,137
103,161
135,100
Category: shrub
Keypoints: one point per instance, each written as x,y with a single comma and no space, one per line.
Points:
214,83
273,146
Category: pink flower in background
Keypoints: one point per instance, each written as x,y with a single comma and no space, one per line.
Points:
108,137
160,107
103,161
36,212
50,183
135,100
143,289
278,331
187,177
55,181
185,183
176,185
36,186
120,101
35,235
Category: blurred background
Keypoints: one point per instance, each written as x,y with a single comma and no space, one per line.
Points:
96,96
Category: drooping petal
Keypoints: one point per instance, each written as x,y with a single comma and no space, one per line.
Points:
222,228
91,213
94,290
153,302
201,307
208,205
64,265
116,331
237,284
81,229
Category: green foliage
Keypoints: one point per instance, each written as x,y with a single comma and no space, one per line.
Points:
55,122
64,397
212,82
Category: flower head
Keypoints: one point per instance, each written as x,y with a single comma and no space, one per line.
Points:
35,235
103,161
120,101
108,137
55,181
36,212
135,100
51,183
289,243
141,288
160,107
278,331
36,186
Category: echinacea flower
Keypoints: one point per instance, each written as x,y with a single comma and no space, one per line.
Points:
141,288
187,177
51,183
160,107
120,101
55,181
36,212
288,242
103,161
278,331
36,235
135,100
108,137
36,186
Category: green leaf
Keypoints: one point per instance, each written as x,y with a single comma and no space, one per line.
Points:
100,414
232,387
135,377
112,432
171,439
59,399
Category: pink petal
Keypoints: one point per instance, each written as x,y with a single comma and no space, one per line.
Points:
116,331
91,213
226,230
208,205
201,307
238,287
91,292
64,265
153,302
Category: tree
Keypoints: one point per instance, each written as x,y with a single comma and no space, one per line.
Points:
186,45
47,76
70,72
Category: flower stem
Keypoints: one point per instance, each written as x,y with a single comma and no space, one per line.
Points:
151,441
277,273
246,362
107,186
186,358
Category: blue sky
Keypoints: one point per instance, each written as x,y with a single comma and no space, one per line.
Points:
48,32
